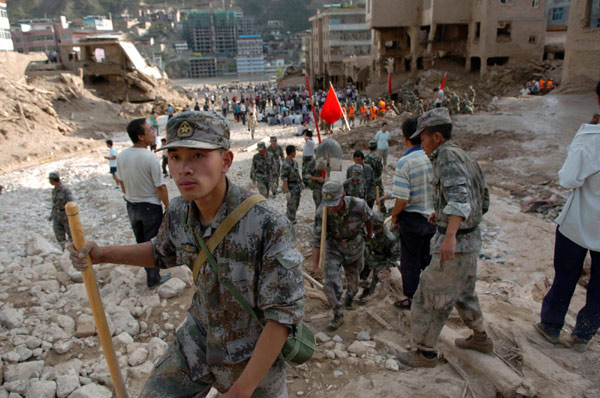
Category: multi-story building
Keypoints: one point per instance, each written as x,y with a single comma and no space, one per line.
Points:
212,32
6,43
557,13
250,60
338,34
97,23
476,33
245,25
45,35
582,55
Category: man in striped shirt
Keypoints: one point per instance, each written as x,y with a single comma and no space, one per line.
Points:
414,204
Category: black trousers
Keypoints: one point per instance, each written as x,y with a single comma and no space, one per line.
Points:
145,219
568,267
415,239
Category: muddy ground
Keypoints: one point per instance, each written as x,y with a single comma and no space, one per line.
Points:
521,146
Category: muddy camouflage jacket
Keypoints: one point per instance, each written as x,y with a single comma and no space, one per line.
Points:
356,189
458,189
373,160
369,180
311,171
383,250
258,256
290,173
60,197
346,227
262,168
277,157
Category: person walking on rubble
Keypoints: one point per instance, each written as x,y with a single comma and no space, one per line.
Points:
345,245
460,199
61,195
578,233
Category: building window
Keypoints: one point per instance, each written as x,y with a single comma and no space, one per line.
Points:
557,14
505,2
535,3
503,31
532,39
477,30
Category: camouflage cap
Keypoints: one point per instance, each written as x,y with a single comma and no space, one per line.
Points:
273,138
54,175
332,193
596,115
434,117
356,170
372,144
198,130
260,146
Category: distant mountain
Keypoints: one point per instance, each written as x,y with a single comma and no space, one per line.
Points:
294,13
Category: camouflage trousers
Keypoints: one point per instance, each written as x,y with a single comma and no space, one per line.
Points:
442,288
263,188
292,205
275,184
317,196
305,161
379,184
349,255
375,264
61,228
184,373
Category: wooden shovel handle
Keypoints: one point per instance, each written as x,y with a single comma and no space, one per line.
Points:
91,287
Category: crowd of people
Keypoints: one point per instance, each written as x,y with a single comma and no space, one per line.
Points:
433,232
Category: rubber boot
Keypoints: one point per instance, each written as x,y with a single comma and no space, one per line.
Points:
478,341
336,322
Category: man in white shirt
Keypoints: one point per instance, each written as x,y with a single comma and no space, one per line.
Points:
577,233
112,161
382,137
439,97
140,176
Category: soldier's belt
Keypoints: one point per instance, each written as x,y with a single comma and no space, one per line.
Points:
346,240
442,230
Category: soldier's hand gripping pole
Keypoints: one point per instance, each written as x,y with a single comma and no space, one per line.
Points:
91,287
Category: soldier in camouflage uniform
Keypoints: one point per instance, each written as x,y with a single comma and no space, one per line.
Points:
276,152
369,177
471,94
355,185
382,252
460,199
315,181
61,195
454,103
345,244
373,160
292,182
467,107
219,345
262,169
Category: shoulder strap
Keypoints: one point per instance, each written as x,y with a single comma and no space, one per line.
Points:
223,229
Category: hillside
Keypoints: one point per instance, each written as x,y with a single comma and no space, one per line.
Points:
295,14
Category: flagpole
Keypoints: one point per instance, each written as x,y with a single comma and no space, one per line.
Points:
340,105
312,106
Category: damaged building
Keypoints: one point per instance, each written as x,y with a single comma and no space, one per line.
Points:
339,47
582,55
475,33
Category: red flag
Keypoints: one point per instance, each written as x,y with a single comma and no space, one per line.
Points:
390,83
443,82
332,109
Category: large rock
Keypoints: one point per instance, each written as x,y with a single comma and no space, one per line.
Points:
138,357
23,371
172,288
66,323
41,389
157,348
66,384
10,317
45,271
123,321
358,347
91,391
37,245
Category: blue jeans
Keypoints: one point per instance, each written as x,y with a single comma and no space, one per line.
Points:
145,219
568,266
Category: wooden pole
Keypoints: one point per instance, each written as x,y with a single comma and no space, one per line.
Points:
91,287
324,225
377,199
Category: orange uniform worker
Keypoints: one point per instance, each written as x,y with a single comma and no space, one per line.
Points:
364,113
373,112
382,109
351,114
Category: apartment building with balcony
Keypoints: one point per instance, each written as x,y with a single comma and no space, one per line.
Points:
6,43
338,35
475,33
